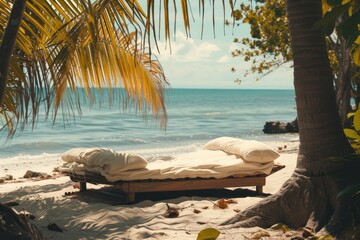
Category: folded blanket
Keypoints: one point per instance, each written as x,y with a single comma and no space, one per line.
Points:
243,158
107,159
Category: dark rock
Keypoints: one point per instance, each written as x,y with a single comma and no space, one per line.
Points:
281,127
171,212
292,127
8,177
274,127
31,174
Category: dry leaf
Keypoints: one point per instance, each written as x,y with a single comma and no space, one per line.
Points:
280,226
197,211
259,234
230,201
208,234
171,212
221,203
237,210
206,207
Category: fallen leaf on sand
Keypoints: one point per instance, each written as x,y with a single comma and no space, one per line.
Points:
208,234
221,203
259,234
201,223
171,212
197,211
237,210
280,226
230,201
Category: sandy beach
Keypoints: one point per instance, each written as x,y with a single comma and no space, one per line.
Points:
102,214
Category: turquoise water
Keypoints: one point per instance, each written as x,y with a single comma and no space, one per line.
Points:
194,117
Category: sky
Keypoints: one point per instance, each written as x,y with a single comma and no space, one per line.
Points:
207,62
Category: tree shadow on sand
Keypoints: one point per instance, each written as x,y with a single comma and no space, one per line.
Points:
112,195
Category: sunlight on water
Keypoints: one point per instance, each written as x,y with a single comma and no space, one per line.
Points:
194,117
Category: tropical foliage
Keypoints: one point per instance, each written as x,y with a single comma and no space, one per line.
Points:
269,43
348,13
353,133
268,47
63,45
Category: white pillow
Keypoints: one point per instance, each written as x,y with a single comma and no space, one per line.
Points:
73,155
107,159
252,151
249,150
220,143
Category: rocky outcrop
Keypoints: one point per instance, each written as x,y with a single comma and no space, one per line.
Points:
281,127
31,174
6,178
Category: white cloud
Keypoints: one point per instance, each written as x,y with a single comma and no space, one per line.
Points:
187,50
224,59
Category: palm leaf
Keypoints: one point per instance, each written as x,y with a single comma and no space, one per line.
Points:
65,44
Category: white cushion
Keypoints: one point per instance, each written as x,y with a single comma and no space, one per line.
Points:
220,143
107,159
249,150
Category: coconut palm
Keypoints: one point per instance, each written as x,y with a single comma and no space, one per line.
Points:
311,196
80,33
63,45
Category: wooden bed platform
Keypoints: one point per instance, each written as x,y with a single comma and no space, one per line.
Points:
131,187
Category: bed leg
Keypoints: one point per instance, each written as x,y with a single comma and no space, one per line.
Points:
259,189
130,197
82,186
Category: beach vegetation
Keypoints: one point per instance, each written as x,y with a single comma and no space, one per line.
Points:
57,47
353,133
321,135
310,198
268,46
208,234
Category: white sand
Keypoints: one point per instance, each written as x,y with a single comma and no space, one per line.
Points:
91,216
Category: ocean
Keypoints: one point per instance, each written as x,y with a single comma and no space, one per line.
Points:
195,116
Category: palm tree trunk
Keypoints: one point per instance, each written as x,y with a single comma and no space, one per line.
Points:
320,130
309,197
343,84
8,43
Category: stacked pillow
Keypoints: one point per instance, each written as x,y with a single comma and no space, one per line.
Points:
249,150
107,159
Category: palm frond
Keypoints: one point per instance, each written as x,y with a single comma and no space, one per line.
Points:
66,44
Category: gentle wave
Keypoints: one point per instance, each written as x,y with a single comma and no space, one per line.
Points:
194,117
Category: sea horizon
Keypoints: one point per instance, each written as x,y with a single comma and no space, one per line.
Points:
195,116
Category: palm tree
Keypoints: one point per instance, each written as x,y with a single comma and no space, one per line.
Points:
309,197
63,45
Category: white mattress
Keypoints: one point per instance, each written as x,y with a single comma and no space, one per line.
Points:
202,163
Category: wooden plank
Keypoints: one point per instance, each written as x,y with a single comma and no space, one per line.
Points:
190,184
132,187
